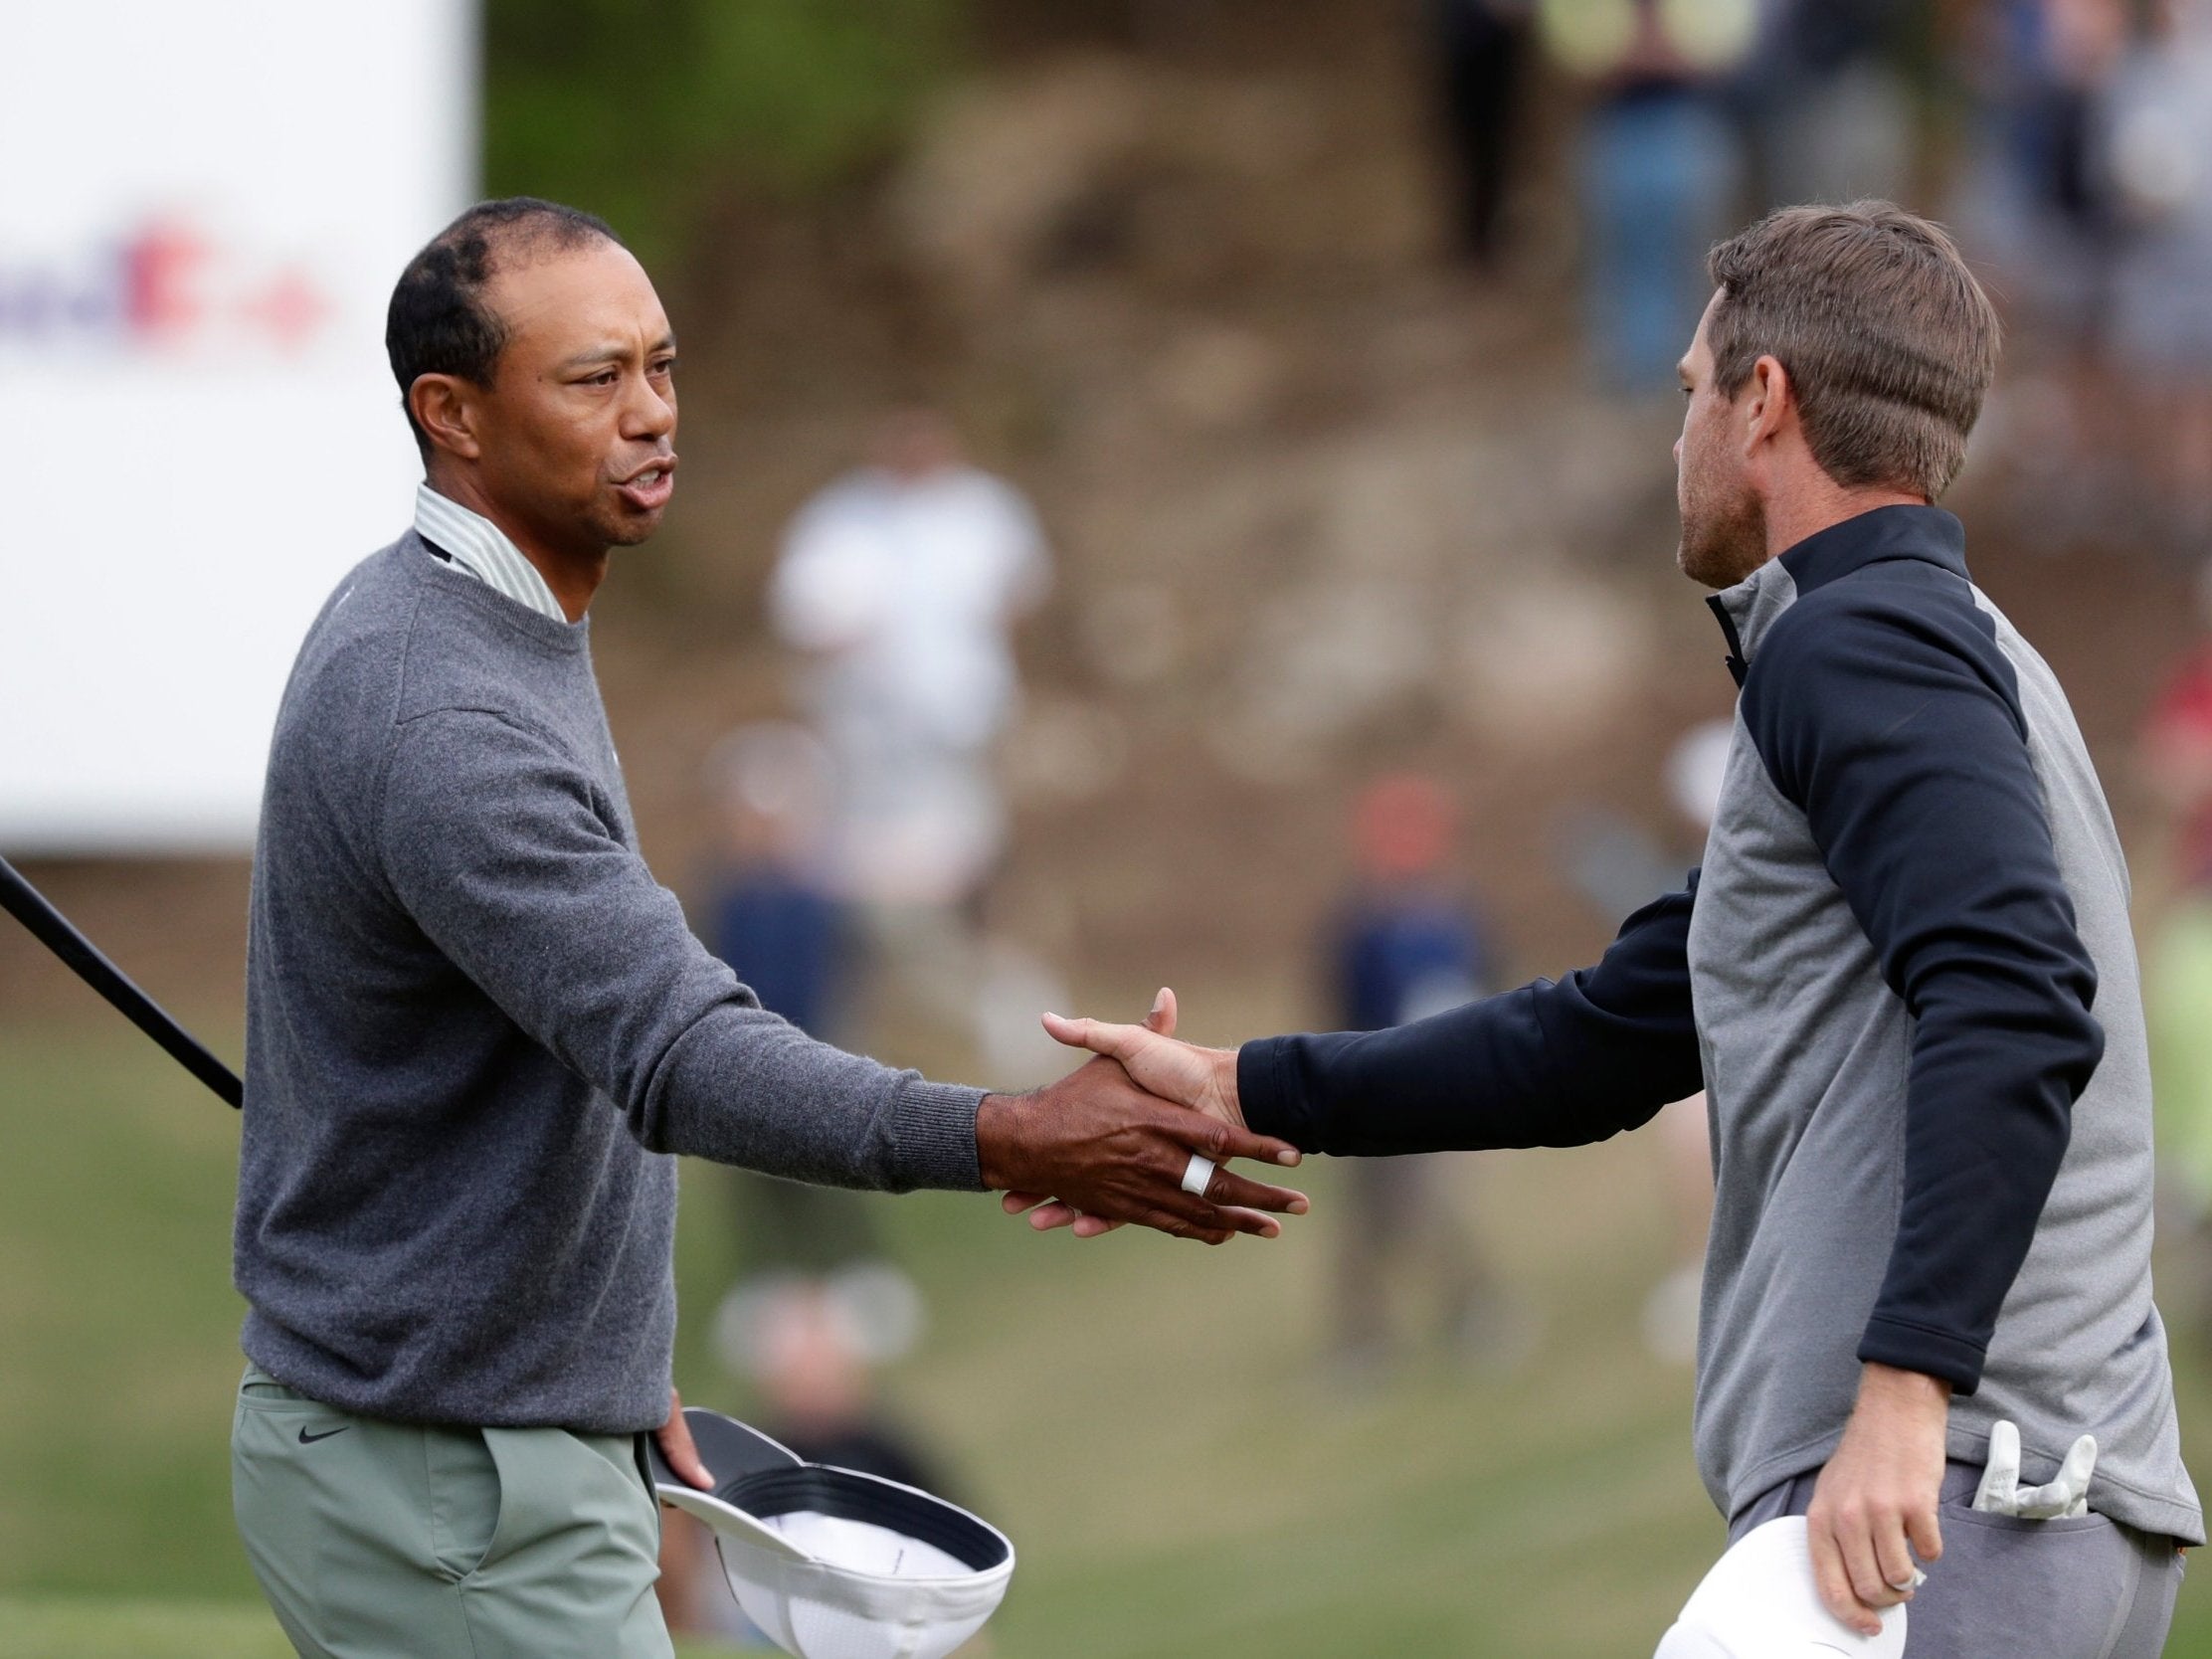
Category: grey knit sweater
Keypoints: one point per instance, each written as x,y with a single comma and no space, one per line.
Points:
476,1023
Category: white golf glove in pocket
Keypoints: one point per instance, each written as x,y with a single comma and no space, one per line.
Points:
2064,1496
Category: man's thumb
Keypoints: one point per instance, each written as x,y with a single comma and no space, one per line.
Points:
1162,1018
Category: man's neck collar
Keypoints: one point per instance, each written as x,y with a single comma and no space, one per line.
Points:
1908,530
572,582
1912,531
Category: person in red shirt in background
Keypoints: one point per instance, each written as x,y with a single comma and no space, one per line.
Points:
1407,943
2177,985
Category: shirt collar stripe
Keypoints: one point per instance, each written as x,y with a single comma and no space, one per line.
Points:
484,550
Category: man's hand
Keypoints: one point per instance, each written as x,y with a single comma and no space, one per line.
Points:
1114,1153
1202,1078
1873,1506
674,1438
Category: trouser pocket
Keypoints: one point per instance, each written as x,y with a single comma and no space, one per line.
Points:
465,1499
2007,1587
392,1541
355,1545
572,1560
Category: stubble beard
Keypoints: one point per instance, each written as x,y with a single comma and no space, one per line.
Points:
1722,542
612,527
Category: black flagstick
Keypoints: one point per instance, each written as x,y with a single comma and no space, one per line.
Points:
53,930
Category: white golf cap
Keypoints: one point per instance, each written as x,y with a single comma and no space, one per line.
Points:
1760,1602
832,1563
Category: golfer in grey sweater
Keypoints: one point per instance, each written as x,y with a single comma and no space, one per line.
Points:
476,1026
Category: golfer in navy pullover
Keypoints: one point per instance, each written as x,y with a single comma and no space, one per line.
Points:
1903,976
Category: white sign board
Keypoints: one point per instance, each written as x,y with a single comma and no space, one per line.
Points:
203,209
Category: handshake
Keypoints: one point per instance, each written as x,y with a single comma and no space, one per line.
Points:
1136,1135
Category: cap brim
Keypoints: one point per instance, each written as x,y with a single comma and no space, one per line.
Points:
733,1454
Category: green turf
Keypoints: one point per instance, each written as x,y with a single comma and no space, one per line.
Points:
110,1628
1146,1420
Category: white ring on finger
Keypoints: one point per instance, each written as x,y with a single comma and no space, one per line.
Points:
1197,1174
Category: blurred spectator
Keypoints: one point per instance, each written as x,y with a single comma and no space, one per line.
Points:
901,583
1827,109
1659,166
2161,147
771,918
806,1345
2043,72
1620,865
2037,203
2177,755
1481,49
1409,945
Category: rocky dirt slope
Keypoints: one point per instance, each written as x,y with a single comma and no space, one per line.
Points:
1323,506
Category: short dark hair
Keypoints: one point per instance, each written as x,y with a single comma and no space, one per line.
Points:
439,322
1890,342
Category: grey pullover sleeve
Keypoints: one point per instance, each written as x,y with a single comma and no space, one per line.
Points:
519,882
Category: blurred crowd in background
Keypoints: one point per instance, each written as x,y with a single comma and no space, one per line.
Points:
2076,140
2069,142
1182,464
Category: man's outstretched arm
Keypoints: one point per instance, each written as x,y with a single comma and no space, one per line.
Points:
1548,1065
518,880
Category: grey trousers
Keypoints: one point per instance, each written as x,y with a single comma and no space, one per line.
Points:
2083,1588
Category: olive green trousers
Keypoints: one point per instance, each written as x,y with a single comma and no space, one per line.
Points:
377,1540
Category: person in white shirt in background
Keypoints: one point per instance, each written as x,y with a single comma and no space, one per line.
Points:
900,584
2160,143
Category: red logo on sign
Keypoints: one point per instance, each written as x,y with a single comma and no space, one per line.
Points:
164,285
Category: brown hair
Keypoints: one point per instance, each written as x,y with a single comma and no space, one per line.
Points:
1888,341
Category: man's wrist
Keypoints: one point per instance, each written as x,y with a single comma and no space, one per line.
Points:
1894,1386
999,1157
1257,1091
1221,1085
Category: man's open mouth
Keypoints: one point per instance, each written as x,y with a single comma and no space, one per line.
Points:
650,488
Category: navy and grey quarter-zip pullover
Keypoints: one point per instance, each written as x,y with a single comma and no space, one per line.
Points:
1928,1149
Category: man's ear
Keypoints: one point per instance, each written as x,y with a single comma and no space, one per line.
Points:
1768,404
445,407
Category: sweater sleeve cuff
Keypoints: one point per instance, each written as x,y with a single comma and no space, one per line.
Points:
1890,1342
1268,1095
935,1137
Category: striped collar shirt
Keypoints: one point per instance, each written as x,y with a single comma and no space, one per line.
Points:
472,542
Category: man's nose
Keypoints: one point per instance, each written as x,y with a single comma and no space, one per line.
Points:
647,414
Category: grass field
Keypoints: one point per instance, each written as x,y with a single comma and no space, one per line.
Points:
1146,1420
